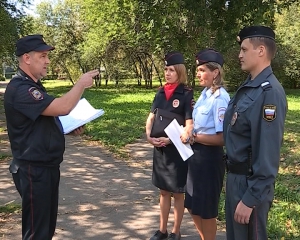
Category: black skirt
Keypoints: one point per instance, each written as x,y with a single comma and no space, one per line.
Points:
206,170
169,170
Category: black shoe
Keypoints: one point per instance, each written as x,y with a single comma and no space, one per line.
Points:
174,236
158,235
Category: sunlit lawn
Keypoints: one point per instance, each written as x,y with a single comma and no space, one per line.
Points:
126,109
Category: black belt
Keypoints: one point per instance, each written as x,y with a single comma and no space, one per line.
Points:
239,168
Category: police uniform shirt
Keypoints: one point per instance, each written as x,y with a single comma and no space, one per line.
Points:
181,102
35,138
254,121
209,110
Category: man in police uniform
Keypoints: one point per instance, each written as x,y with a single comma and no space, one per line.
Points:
253,134
36,136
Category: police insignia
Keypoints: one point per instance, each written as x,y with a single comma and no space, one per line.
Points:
35,93
221,113
269,112
234,117
175,103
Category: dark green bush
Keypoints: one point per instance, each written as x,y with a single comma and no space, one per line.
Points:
2,78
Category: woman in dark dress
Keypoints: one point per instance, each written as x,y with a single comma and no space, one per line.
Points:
206,167
169,170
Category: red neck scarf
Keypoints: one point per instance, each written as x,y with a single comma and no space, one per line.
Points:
169,89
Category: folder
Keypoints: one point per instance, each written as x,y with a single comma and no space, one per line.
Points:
174,130
82,113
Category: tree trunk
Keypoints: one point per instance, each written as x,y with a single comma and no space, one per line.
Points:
67,72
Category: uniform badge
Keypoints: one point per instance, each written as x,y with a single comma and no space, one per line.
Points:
221,113
269,112
35,93
234,117
175,103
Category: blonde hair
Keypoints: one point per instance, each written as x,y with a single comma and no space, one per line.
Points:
219,80
181,72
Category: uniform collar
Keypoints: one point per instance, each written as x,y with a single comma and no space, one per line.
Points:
21,73
26,77
208,93
260,78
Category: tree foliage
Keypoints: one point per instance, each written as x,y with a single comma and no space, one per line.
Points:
128,38
288,31
61,26
12,26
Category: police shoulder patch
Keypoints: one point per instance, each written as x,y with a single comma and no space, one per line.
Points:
35,93
269,112
221,113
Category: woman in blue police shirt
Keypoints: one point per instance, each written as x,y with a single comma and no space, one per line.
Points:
206,168
169,170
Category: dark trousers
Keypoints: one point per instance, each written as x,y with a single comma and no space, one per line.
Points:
38,187
236,186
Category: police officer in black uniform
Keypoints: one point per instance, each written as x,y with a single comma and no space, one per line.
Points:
36,135
169,170
253,134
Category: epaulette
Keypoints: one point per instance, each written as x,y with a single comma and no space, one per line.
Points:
266,85
188,88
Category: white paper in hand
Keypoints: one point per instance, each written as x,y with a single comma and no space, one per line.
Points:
174,130
83,113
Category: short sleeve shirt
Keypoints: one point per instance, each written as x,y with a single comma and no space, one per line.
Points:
35,138
209,110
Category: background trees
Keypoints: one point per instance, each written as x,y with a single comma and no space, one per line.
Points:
128,38
13,22
288,31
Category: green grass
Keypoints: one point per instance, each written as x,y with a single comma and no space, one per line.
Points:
284,218
3,156
10,208
126,109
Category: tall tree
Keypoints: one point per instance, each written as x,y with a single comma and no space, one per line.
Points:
61,26
190,25
12,25
288,59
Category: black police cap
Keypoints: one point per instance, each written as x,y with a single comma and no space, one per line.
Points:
173,58
31,43
255,31
209,55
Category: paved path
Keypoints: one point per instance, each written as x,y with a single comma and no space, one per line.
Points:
101,198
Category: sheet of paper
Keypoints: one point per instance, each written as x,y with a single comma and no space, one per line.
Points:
83,113
174,130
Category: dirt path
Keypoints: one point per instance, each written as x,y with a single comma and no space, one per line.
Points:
100,197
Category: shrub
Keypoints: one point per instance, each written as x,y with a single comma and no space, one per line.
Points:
2,78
